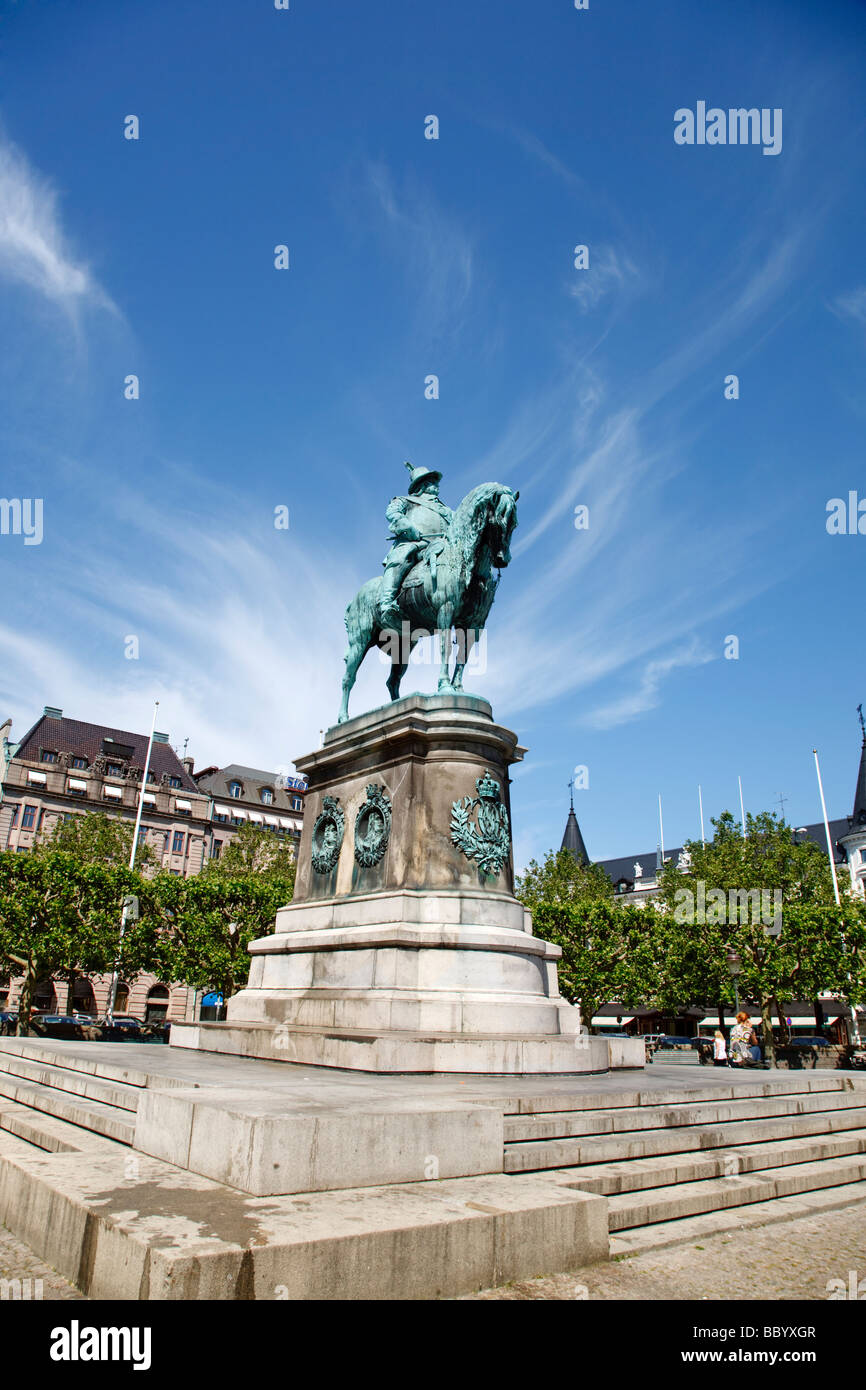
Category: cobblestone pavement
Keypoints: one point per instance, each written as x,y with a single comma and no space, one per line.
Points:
17,1261
784,1260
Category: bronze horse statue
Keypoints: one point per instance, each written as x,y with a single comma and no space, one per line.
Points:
452,586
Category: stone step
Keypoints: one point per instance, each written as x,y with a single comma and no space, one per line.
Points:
563,1124
609,1179
638,1240
89,1114
164,1234
691,1198
63,1078
50,1134
772,1084
89,1058
566,1153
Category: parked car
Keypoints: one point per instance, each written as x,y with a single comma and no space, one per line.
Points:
56,1026
669,1041
121,1029
810,1042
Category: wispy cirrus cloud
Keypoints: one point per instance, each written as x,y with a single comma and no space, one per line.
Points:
647,694
608,272
34,249
437,249
851,305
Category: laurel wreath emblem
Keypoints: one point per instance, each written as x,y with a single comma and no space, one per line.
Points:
490,849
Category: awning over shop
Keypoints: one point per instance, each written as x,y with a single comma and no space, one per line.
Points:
34,776
114,792
182,805
77,784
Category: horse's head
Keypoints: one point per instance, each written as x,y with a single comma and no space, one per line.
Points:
503,520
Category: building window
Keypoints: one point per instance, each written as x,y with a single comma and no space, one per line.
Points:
220,816
151,776
48,756
14,822
178,842
23,849
176,872
114,770
28,820
235,790
175,782
215,847
297,804
79,762
267,796
142,834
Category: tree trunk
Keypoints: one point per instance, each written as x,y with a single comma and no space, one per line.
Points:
25,1003
721,1012
783,1023
819,1015
767,1028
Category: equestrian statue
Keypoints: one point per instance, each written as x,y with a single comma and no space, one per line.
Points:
438,575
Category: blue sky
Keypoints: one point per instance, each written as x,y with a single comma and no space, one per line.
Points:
602,387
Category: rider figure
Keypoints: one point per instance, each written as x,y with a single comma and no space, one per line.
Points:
417,522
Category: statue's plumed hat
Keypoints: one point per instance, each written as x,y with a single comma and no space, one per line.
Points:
419,476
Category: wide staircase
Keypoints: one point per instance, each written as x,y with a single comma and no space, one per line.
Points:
65,1104
675,1166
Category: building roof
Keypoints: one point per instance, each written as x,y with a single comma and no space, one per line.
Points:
623,867
85,741
253,780
572,840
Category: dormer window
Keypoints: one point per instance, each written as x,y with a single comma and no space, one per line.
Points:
267,796
114,770
235,790
297,804
48,756
174,782
78,762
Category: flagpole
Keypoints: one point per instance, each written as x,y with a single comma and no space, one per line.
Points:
827,829
661,830
742,811
112,995
701,805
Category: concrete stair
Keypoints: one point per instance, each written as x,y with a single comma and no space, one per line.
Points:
78,1102
662,1164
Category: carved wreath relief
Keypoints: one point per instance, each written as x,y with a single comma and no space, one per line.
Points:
327,837
373,827
489,839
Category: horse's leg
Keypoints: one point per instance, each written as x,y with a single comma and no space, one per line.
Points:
359,625
355,653
398,671
465,643
443,622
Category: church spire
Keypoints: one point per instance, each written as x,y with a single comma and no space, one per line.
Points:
859,815
572,840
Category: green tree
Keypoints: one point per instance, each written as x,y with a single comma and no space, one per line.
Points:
96,838
259,854
561,879
213,919
715,906
62,915
608,952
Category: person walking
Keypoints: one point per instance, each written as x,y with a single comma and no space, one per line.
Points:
720,1049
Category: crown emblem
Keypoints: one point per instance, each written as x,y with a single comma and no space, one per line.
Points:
487,789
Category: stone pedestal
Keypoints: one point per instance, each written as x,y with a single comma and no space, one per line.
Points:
404,948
